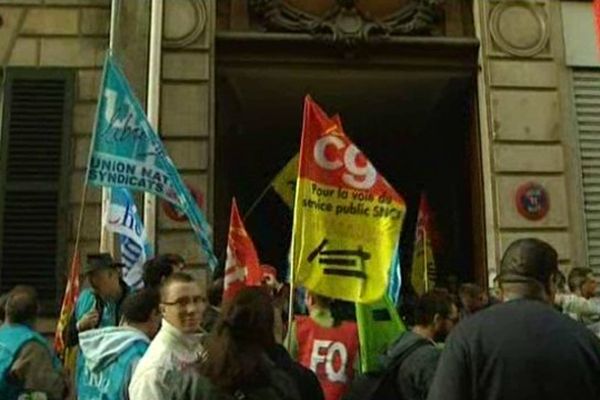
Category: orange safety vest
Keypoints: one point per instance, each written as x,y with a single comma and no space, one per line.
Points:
329,352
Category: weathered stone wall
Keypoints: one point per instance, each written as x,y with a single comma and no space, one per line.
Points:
524,137
74,34
71,34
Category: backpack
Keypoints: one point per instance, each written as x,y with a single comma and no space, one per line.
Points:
381,385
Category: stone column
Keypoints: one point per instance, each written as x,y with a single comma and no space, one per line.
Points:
523,137
187,112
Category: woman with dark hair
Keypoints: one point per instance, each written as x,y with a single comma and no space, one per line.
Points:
237,362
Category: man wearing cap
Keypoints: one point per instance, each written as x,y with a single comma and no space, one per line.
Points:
522,348
99,305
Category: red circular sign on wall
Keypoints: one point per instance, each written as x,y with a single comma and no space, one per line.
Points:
532,201
175,213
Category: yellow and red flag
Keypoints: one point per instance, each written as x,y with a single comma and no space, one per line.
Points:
242,267
424,271
66,313
347,217
284,183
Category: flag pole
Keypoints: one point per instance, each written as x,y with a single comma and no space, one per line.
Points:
292,277
153,106
106,237
257,201
425,261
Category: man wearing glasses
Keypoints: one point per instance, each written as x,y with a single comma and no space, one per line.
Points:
170,363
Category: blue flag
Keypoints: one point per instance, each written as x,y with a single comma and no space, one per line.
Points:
127,152
395,281
122,217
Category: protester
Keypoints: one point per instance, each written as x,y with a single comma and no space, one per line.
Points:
582,282
409,364
473,298
160,267
326,346
27,363
111,354
169,365
577,307
99,305
583,288
213,311
306,381
237,363
435,316
522,348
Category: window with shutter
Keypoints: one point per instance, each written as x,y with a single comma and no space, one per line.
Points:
36,127
586,86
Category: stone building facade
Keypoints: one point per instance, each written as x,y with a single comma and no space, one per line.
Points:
524,122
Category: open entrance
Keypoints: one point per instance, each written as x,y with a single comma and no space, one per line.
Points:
408,106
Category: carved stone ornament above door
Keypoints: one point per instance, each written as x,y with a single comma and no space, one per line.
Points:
184,23
348,21
519,28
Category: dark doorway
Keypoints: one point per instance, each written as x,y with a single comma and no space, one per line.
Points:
409,110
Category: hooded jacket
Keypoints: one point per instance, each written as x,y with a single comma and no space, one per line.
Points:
110,357
415,374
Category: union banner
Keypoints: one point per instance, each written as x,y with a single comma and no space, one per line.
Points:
127,152
347,217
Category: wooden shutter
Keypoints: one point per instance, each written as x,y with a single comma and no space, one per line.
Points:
36,128
586,84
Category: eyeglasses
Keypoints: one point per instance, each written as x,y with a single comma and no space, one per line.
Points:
183,302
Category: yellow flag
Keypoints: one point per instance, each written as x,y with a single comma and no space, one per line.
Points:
347,218
285,181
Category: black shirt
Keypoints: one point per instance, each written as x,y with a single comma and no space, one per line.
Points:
522,349
414,375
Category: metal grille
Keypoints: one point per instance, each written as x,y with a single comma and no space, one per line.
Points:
586,85
35,139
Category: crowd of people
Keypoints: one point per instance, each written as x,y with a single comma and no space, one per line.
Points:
535,338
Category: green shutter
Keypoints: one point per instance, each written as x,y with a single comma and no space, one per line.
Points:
35,140
586,85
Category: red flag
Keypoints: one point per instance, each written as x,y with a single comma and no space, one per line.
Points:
68,304
242,267
424,272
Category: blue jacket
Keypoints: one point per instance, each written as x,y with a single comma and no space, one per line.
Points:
87,302
12,339
109,357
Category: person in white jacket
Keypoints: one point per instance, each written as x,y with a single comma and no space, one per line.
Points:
170,364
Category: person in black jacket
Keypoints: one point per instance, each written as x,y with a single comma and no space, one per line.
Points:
521,349
435,316
306,380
